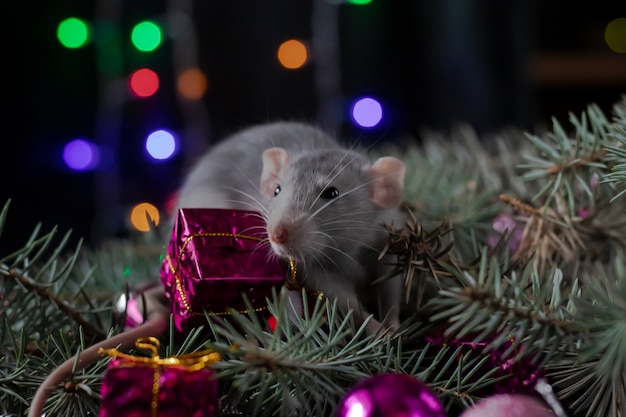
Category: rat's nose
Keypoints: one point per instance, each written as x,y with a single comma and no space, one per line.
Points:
279,234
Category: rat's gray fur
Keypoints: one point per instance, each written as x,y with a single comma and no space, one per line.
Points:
228,175
335,242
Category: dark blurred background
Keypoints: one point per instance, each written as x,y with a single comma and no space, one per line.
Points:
430,64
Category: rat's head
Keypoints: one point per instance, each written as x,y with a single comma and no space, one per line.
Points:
325,204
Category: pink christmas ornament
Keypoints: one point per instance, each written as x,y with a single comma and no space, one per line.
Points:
390,395
509,405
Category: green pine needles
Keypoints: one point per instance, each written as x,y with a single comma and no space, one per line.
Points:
547,291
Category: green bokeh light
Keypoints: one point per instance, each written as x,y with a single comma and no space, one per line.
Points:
146,36
73,33
359,2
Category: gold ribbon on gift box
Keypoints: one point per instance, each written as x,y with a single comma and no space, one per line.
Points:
291,284
190,362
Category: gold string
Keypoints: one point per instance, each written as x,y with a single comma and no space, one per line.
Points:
293,284
154,404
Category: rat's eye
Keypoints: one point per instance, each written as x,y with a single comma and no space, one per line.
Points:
276,190
330,193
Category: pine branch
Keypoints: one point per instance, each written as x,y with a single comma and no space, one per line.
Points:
521,306
79,395
601,360
564,162
458,376
54,304
457,179
31,286
419,255
616,153
299,366
307,363
13,368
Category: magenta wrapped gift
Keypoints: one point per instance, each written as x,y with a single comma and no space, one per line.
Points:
135,386
215,256
518,376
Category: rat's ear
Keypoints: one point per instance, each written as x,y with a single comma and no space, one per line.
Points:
274,159
387,187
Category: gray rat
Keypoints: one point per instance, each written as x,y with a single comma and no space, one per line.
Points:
324,206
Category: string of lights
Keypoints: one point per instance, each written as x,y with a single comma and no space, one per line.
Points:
141,79
191,83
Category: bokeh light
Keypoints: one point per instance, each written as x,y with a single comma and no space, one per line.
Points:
73,32
292,54
192,84
81,155
144,82
161,144
139,216
146,36
615,35
359,2
367,112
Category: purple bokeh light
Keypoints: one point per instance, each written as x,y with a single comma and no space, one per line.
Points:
81,155
367,112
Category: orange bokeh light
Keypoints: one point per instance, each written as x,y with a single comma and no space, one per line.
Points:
192,84
292,54
139,216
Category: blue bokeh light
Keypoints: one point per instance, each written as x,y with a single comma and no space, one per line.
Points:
161,144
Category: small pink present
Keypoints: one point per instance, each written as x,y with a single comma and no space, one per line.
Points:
214,257
136,386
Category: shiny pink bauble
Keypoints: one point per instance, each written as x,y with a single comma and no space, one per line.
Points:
508,405
390,395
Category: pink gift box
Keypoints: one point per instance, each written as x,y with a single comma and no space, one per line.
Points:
215,256
159,387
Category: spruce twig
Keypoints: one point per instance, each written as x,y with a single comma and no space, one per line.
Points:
489,302
419,252
31,286
307,363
